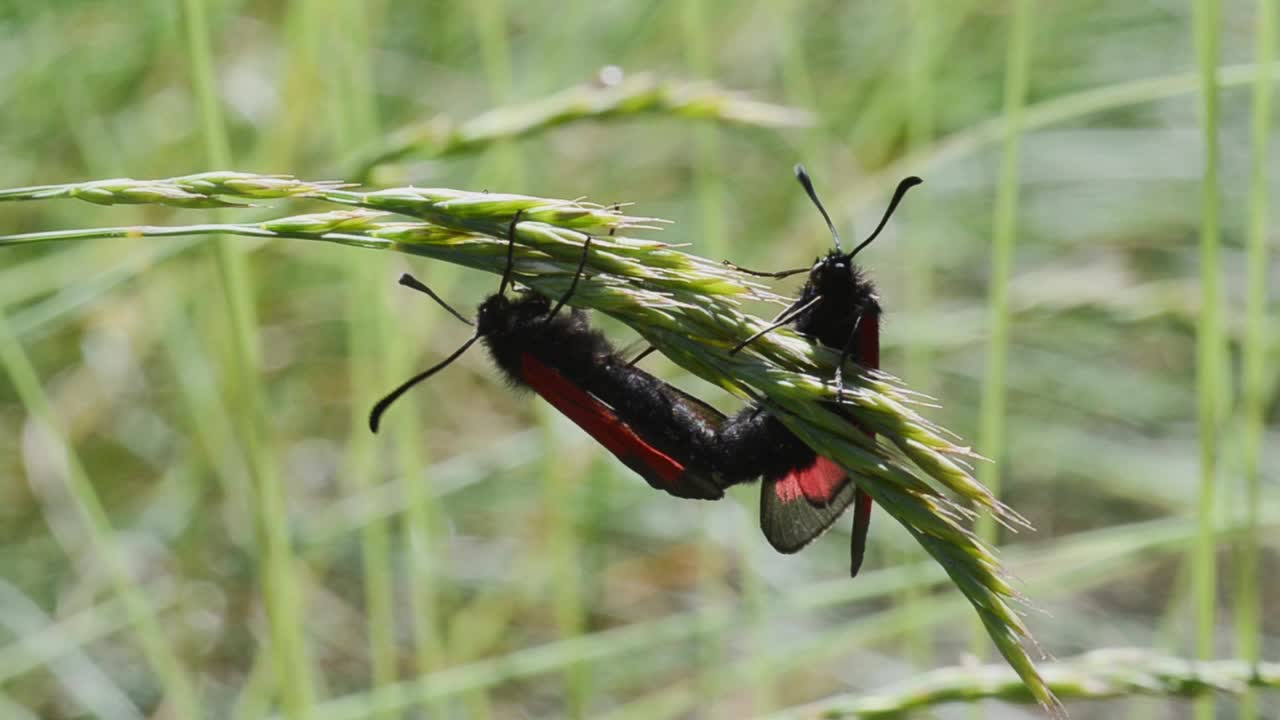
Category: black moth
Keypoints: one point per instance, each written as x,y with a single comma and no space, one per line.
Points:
675,441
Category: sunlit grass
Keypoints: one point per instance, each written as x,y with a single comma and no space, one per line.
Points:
527,585
1212,396
992,409
503,163
685,305
280,588
1247,588
698,31
167,666
372,341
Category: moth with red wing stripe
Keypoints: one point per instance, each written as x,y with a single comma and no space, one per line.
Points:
838,308
676,442
663,434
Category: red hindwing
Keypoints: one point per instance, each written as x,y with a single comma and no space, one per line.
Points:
659,469
800,505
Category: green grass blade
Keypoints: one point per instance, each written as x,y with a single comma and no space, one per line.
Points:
1255,349
1076,564
991,430
927,23
632,95
503,163
687,307
697,35
1098,675
1210,345
370,339
280,585
1054,111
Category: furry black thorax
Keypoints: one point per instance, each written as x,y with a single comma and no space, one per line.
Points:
847,295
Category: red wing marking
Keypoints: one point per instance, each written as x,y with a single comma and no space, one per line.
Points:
788,488
599,421
817,483
800,505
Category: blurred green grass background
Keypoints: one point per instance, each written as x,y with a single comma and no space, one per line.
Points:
279,558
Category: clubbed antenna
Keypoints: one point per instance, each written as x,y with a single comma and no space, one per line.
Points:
410,281
903,187
375,416
807,184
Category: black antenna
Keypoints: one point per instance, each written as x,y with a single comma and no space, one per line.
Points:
511,251
375,416
647,352
760,273
807,184
783,318
410,281
903,187
582,263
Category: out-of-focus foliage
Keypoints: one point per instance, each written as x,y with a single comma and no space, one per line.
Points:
504,534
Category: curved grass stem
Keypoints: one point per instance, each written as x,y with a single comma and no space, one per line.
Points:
1098,675
688,307
281,591
991,432
1255,347
1210,344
